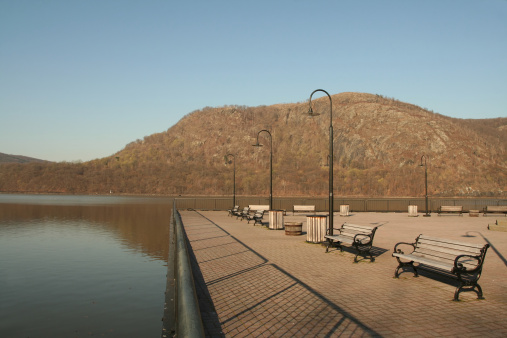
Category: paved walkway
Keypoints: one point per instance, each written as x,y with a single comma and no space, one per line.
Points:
262,283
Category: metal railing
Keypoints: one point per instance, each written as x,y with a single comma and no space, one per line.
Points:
182,316
355,204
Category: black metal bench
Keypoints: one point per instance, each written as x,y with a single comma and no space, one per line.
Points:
459,260
450,209
256,217
358,236
233,210
243,213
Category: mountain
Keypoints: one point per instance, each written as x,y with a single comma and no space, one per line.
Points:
6,158
379,145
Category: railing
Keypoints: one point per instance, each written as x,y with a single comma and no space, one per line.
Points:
355,204
182,316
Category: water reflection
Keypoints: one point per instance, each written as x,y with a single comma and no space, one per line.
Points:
82,267
141,226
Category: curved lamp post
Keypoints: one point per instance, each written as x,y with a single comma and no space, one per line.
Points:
331,197
233,178
425,183
270,165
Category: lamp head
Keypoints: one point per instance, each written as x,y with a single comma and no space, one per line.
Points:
227,158
312,113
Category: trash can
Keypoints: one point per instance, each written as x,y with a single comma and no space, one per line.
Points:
412,211
316,226
275,219
344,210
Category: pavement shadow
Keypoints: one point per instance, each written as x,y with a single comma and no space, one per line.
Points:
468,234
244,294
211,323
375,251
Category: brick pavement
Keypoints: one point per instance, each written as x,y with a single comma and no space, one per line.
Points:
258,282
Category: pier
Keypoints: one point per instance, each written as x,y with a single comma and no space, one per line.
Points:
252,281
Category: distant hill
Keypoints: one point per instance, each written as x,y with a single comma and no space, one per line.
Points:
5,158
378,145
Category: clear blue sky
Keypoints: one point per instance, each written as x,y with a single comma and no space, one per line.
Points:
79,80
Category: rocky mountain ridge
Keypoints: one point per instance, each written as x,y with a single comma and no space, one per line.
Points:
379,144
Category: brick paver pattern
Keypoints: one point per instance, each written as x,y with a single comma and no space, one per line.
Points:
261,283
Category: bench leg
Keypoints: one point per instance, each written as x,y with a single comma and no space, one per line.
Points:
467,285
476,288
329,244
403,264
365,254
364,250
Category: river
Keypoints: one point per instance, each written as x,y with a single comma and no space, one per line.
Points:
80,266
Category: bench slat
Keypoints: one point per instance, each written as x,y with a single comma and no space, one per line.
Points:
425,260
449,241
259,207
451,208
442,256
496,208
304,207
443,250
357,227
347,239
436,262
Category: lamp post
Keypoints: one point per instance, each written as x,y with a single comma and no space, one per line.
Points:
233,178
331,197
270,165
425,183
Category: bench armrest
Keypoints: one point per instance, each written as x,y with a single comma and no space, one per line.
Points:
398,250
459,268
358,237
335,229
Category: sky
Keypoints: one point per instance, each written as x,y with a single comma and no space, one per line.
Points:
79,80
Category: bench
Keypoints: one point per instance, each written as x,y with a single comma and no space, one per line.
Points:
358,236
255,207
243,213
233,210
459,260
450,209
303,208
495,209
256,217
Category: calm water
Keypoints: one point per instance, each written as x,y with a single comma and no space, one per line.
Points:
73,266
